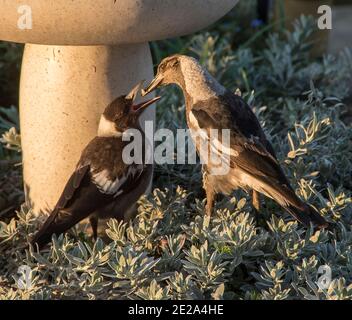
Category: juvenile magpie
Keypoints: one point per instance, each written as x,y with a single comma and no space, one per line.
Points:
253,165
102,185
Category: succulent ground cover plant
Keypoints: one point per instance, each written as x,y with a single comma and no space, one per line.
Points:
171,250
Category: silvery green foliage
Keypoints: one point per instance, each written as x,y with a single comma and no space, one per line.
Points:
171,250
9,124
11,140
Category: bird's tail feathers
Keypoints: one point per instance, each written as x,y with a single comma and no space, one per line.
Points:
57,223
307,216
43,236
304,213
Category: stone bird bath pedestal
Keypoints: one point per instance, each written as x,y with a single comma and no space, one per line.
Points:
80,55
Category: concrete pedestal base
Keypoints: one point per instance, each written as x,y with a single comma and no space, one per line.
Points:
63,91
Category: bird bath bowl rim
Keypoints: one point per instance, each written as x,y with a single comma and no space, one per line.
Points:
108,22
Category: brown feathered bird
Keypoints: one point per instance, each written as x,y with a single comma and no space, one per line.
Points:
252,163
102,185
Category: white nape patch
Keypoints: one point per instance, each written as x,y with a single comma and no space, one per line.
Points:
200,84
107,128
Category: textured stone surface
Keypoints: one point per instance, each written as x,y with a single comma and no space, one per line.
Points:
91,22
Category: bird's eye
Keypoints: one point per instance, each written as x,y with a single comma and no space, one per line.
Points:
174,64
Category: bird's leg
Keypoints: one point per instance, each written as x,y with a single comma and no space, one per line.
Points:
256,200
94,223
210,200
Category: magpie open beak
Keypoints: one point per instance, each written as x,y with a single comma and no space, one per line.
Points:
156,82
133,94
145,104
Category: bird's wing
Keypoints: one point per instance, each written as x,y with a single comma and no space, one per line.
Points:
254,156
61,219
90,188
110,174
251,152
73,184
119,184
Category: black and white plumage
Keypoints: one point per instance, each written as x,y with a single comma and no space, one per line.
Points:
253,165
102,185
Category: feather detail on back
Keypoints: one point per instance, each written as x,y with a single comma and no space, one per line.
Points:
105,184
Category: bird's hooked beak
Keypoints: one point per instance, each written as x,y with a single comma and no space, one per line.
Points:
156,82
134,94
